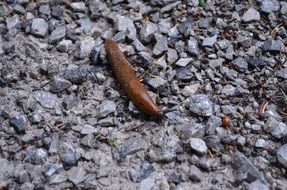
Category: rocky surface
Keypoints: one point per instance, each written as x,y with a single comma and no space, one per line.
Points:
217,69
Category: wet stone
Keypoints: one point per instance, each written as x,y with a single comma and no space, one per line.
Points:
19,123
192,46
273,46
59,84
57,34
200,104
198,145
132,145
269,6
76,175
157,82
240,64
39,27
282,155
36,155
251,15
182,62
75,74
161,44
107,107
46,99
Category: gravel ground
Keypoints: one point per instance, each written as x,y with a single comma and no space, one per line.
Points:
218,71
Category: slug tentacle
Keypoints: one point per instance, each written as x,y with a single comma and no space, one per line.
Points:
129,81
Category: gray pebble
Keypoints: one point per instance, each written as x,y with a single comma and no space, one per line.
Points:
171,55
138,45
126,25
19,123
209,41
182,62
67,154
160,154
59,84
106,107
198,145
283,7
132,145
229,90
57,34
78,6
58,178
240,64
57,12
161,44
85,47
46,99
157,82
64,46
273,46
241,141
196,174
257,185
192,46
45,9
251,15
282,73
76,175
88,129
269,6
12,22
147,32
76,74
282,155
39,27
36,155
200,104
261,143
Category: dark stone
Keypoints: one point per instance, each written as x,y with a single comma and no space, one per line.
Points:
145,170
76,74
18,123
57,12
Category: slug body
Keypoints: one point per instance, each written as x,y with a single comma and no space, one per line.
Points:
129,81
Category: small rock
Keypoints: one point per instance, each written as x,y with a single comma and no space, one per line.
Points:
160,154
269,6
204,23
261,143
37,155
6,169
190,90
12,22
161,44
85,47
45,9
156,82
198,146
241,141
126,25
88,129
64,46
147,184
57,12
58,178
46,99
70,101
147,32
192,130
107,107
257,63
240,64
145,170
67,154
78,6
276,128
257,185
171,55
210,41
192,46
182,62
39,27
76,74
59,84
57,34
283,7
228,90
251,15
138,45
282,73
132,145
196,174
18,123
76,175
200,104
273,46
282,155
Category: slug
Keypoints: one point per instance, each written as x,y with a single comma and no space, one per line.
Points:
130,82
